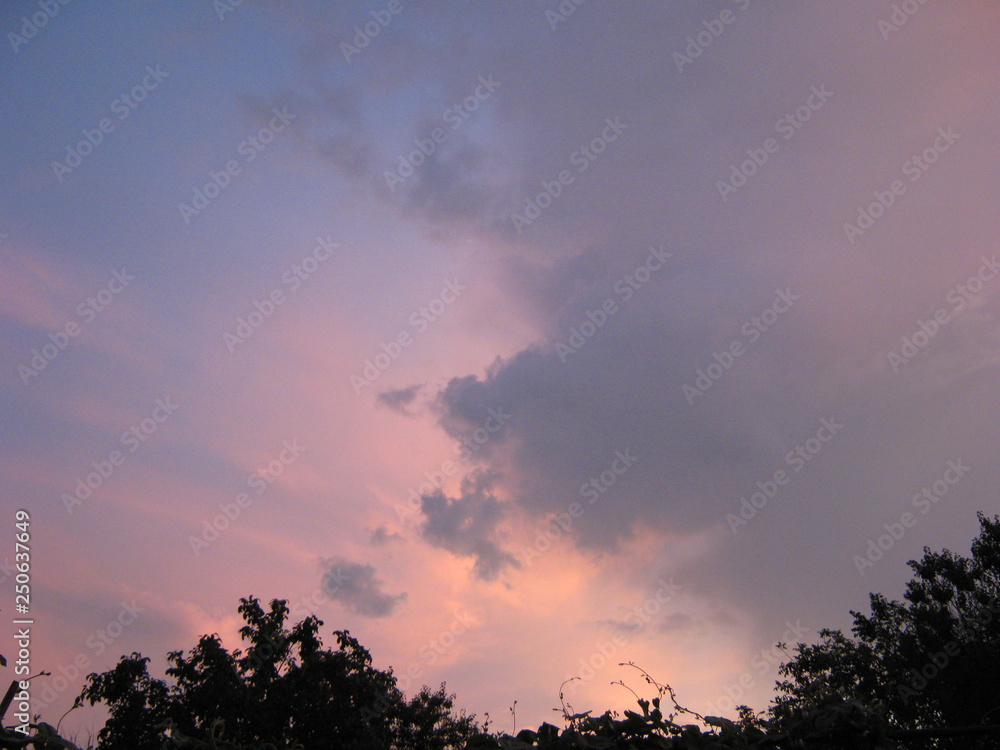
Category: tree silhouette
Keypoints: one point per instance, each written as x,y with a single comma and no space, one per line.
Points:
283,690
930,661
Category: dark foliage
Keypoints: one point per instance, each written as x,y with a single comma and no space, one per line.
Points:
283,690
930,661
923,673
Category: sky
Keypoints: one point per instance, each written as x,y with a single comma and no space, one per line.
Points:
519,339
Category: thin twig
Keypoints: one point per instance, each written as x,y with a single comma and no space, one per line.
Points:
622,683
663,688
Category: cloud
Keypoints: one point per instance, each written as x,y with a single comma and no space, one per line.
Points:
399,399
456,184
670,623
468,525
381,537
356,587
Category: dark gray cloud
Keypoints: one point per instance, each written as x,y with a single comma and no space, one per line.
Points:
823,358
399,399
657,186
673,622
455,185
382,536
467,525
356,586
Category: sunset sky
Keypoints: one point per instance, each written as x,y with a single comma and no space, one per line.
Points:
518,338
